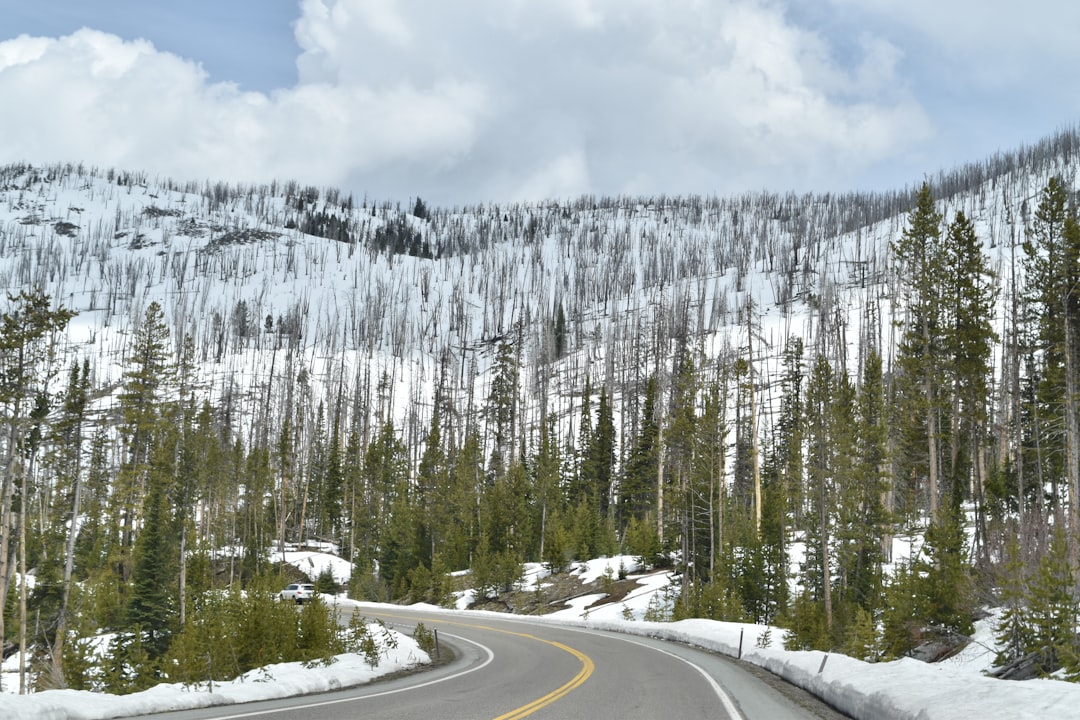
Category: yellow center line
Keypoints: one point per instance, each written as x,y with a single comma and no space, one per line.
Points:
587,668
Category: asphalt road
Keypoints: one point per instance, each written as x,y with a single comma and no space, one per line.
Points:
505,669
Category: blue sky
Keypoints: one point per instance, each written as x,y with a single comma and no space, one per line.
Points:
500,100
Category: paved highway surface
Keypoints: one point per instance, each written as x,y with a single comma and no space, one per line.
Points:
505,669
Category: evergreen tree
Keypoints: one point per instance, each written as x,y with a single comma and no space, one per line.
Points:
151,610
869,519
584,482
55,583
637,490
27,333
680,457
945,601
1013,633
602,454
787,462
502,401
146,378
1053,613
433,475
919,362
851,553
969,300
549,498
560,331
386,475
1049,267
817,570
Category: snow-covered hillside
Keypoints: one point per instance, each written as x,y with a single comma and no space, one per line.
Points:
365,320
306,312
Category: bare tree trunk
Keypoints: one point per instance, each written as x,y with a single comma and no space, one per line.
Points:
753,423
22,583
712,525
888,499
1072,436
687,532
65,592
5,535
543,525
1010,434
931,425
932,446
6,520
980,501
826,573
183,575
660,482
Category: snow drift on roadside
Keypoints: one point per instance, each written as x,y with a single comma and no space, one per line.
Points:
268,683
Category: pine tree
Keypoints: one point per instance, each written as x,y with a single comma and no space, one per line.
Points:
584,484
1048,270
386,476
560,331
502,401
148,375
151,436
969,300
67,459
945,589
870,521
637,489
919,359
602,454
433,475
27,334
546,480
1013,633
787,458
146,378
1053,613
151,610
709,486
680,456
817,570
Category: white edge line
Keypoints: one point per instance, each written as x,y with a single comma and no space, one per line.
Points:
291,708
725,699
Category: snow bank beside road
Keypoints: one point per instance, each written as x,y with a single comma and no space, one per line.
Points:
904,689
268,683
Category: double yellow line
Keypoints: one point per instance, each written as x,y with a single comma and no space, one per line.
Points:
587,668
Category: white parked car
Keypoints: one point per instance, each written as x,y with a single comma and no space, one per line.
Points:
298,592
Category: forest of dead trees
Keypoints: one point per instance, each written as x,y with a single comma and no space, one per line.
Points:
492,386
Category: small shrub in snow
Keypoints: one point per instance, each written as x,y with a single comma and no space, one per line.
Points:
424,638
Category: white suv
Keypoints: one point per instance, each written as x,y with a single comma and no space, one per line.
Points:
298,592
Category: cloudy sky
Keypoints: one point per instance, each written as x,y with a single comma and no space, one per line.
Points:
500,100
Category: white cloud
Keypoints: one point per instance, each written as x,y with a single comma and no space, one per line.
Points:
564,176
24,50
485,99
92,97
995,43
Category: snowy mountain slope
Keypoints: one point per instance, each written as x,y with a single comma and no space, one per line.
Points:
295,298
379,329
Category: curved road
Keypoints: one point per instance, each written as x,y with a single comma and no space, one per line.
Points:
506,669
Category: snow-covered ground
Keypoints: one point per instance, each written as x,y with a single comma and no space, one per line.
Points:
313,563
905,689
273,681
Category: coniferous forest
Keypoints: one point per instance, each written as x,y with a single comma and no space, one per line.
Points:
761,392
